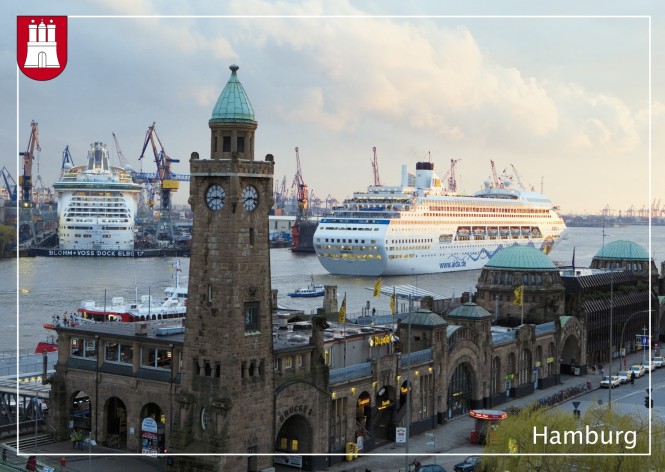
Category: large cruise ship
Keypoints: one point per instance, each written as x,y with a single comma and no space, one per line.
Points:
420,227
96,205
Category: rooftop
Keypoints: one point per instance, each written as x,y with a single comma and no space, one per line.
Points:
233,104
520,258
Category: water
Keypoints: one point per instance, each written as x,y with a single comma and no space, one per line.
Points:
48,286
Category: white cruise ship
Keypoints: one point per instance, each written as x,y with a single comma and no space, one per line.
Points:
96,205
420,227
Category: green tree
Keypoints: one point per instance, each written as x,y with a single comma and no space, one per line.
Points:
7,234
572,438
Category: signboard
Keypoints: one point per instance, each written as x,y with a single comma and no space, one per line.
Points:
149,425
400,435
293,461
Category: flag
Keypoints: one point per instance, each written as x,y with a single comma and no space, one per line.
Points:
518,295
377,288
341,316
392,302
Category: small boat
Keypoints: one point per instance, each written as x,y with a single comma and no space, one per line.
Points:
49,344
312,290
173,305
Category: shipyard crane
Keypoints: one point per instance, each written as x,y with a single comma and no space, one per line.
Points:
300,189
281,194
452,182
168,182
28,156
375,169
10,184
121,157
520,179
495,179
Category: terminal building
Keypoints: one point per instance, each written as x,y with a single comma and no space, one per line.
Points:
240,385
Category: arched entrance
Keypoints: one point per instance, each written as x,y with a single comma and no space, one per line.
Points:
363,411
384,427
152,429
460,390
80,413
294,438
571,354
116,423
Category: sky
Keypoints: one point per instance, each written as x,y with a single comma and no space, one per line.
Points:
566,93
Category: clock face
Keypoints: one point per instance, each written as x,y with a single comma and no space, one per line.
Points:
215,197
250,198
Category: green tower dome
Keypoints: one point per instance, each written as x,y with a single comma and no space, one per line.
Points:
470,311
520,258
233,105
623,250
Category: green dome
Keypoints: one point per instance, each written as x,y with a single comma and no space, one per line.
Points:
623,250
422,317
233,103
520,258
470,310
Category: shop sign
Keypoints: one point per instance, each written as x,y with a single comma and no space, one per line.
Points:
149,425
293,461
400,435
510,376
379,340
550,360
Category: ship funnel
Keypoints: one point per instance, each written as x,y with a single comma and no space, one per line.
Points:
405,176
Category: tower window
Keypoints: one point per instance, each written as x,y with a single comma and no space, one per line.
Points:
226,144
251,316
215,143
251,236
241,144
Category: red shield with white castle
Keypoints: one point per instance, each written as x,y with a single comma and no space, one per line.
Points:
41,45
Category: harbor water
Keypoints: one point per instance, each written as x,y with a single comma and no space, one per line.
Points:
42,287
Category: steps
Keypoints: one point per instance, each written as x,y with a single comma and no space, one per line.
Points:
30,441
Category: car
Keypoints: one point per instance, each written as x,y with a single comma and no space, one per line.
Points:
658,361
430,468
624,376
467,465
648,366
638,369
610,381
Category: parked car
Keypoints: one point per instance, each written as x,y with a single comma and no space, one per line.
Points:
648,366
468,465
638,369
610,381
430,468
658,361
624,376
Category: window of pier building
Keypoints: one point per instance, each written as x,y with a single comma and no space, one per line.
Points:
338,423
84,348
156,358
116,352
252,316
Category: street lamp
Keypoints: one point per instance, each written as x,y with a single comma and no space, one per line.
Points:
624,329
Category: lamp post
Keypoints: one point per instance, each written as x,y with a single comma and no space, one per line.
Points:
408,386
624,329
609,390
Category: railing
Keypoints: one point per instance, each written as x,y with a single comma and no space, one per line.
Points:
350,373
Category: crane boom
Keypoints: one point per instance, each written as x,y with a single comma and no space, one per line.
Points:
375,168
121,156
26,179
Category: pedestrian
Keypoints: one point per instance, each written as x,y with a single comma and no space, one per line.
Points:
74,438
31,464
602,372
632,377
4,455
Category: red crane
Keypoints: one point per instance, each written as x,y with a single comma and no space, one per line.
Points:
25,181
301,189
375,168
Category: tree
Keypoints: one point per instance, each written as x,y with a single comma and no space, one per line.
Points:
571,437
7,234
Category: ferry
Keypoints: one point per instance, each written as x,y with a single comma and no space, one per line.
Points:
97,205
312,290
422,227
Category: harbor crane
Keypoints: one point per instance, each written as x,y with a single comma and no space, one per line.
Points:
281,194
168,181
121,157
10,184
25,180
452,182
495,179
375,169
300,190
521,180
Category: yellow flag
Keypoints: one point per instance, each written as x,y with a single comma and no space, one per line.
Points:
377,288
518,295
341,316
392,302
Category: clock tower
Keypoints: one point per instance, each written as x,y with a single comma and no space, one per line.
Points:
225,401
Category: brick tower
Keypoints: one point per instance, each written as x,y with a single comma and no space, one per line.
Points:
225,400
